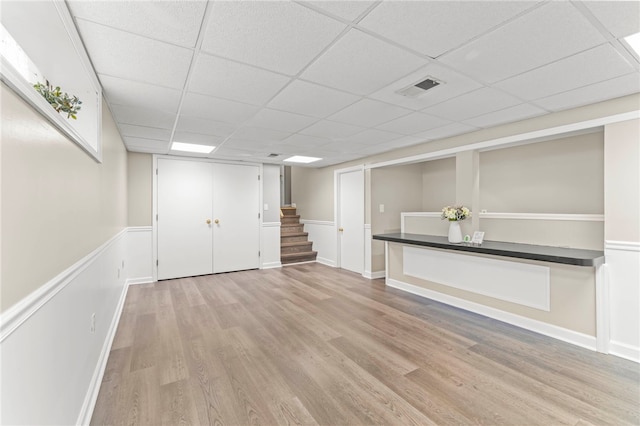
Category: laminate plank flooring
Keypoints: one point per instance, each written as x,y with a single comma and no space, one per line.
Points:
309,344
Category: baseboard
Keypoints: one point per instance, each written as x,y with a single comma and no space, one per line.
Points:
566,335
271,265
325,261
625,351
89,403
374,275
138,280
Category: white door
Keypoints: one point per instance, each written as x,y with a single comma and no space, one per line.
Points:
236,209
351,220
184,206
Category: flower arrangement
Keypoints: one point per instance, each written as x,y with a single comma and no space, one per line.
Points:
455,213
61,102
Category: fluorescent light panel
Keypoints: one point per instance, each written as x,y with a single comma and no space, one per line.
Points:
634,41
301,159
191,147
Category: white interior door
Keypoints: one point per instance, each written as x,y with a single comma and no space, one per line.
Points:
184,206
236,208
351,220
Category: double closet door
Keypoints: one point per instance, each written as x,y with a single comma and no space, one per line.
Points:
208,218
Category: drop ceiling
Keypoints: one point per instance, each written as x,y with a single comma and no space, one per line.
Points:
320,78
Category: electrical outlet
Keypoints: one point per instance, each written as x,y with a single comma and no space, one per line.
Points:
381,208
93,322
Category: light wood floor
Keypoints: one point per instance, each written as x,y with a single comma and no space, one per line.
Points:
309,344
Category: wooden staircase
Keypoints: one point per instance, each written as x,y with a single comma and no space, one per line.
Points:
295,246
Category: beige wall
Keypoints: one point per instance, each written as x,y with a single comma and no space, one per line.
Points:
558,176
140,188
312,192
622,181
438,184
400,190
58,203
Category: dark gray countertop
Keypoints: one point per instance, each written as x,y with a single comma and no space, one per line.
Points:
568,256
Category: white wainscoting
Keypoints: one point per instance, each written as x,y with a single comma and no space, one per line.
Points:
323,235
52,362
368,242
623,268
139,262
270,245
521,283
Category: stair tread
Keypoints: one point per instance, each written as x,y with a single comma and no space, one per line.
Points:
289,225
299,254
296,243
294,234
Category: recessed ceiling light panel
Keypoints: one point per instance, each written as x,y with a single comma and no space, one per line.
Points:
191,147
302,159
634,42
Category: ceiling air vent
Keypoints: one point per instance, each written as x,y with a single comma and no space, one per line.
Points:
273,155
419,88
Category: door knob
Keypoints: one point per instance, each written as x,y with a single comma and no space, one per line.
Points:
216,221
340,229
208,221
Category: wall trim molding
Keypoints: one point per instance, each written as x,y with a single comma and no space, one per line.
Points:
566,335
139,228
16,315
622,245
374,275
271,224
138,280
89,402
326,261
318,222
544,216
271,265
625,351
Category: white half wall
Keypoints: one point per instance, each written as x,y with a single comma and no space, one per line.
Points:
323,235
56,341
139,261
623,267
270,245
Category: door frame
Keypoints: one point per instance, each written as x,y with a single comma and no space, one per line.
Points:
336,209
154,202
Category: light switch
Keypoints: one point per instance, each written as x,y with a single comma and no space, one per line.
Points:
381,208
266,207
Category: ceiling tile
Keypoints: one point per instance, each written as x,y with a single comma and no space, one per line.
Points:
280,36
125,114
306,141
232,153
597,92
472,104
205,127
446,131
516,113
434,27
405,141
231,80
331,129
238,143
125,55
369,113
280,120
211,108
311,99
258,134
526,43
621,18
345,147
348,10
359,63
198,138
372,136
176,22
135,94
414,123
452,84
143,143
144,132
595,65
289,149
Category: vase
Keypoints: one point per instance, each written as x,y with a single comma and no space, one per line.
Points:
455,233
